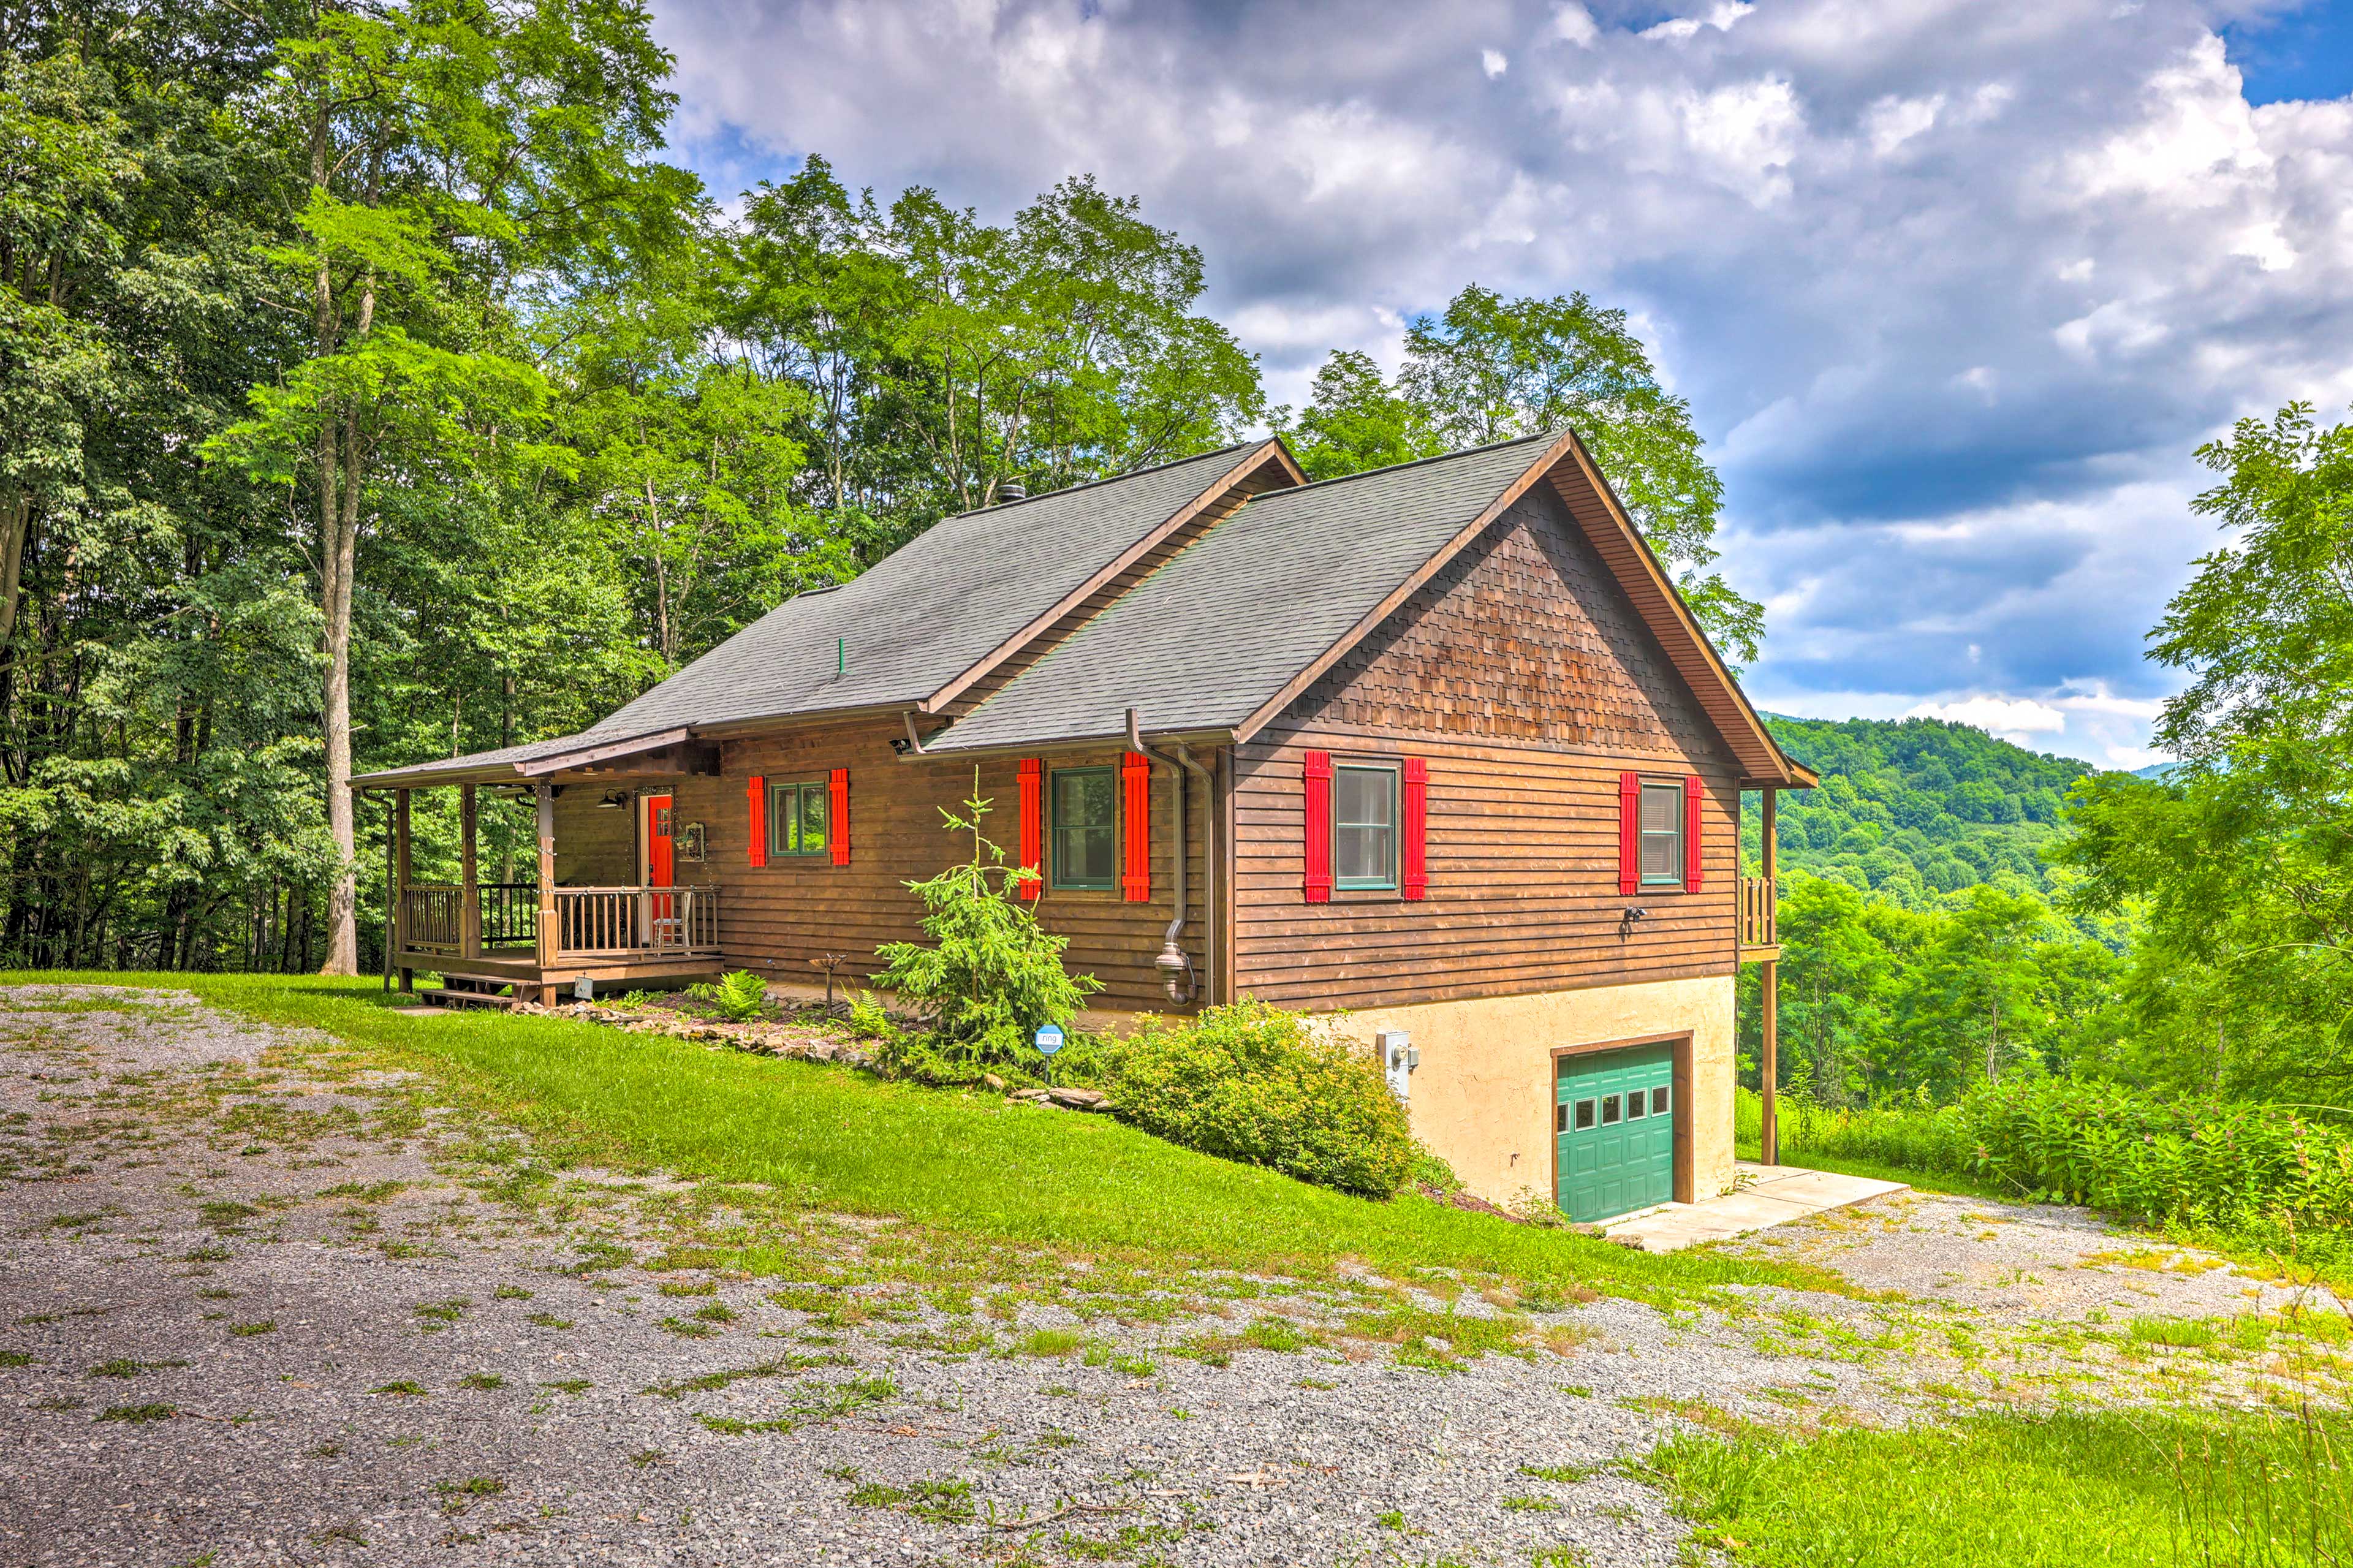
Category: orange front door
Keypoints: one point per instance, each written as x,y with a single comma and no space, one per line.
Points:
660,871
661,910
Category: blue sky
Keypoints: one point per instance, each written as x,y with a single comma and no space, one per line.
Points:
1955,287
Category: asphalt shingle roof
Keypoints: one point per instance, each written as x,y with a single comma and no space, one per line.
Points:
1203,642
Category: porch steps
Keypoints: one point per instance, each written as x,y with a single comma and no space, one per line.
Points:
467,990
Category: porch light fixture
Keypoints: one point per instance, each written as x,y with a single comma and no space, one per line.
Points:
614,800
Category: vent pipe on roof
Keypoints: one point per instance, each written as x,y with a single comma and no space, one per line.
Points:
1012,489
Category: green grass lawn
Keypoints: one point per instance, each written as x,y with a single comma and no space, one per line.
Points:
970,1165
2137,1487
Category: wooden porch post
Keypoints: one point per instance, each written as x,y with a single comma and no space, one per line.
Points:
547,922
1769,991
399,936
470,895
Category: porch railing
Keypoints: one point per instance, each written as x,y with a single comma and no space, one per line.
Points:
1758,924
510,913
589,921
432,917
595,920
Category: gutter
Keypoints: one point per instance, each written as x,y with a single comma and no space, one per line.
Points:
1172,959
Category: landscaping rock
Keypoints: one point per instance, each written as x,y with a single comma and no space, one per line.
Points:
1079,1099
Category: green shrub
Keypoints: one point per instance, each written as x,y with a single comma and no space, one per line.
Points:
740,997
1248,1083
992,974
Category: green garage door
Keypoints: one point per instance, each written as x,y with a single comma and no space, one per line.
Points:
1614,1132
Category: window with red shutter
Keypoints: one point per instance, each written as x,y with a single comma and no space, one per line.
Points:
1033,832
1412,847
1630,828
1318,777
1135,818
1694,793
837,796
757,795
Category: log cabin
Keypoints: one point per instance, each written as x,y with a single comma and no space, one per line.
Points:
1436,752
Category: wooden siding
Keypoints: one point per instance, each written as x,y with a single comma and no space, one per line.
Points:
1523,678
596,847
1524,639
776,919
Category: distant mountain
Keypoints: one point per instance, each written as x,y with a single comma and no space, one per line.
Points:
2156,770
1916,808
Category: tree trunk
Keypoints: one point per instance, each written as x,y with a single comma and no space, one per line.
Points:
342,896
16,524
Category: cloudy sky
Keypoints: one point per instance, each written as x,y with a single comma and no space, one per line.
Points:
1953,286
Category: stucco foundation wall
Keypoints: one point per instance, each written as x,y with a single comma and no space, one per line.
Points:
1482,1097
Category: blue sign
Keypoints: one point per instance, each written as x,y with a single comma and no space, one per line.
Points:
1049,1038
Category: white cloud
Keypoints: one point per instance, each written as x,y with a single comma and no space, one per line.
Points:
1493,62
2019,719
1573,24
1893,122
1681,29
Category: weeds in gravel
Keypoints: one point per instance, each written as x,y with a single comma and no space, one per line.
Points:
575,1386
1565,1475
481,1380
548,1321
14,1358
122,1366
404,1388
941,1499
138,1413
251,1331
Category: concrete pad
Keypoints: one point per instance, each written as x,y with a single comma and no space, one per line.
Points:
1775,1196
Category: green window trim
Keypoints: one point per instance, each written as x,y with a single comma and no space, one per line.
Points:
1659,842
1365,813
797,818
1082,829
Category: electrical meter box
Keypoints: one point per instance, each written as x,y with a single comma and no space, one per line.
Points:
1398,1058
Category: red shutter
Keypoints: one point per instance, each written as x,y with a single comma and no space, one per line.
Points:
1694,796
1318,844
758,795
1135,816
1630,834
838,816
1033,836
1411,850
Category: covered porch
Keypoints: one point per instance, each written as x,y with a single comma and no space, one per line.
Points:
542,935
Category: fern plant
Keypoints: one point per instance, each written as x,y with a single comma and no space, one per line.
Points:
740,997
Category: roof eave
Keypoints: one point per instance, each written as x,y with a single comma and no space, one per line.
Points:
1089,742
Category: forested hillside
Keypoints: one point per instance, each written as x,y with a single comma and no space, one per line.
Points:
1923,949
1914,807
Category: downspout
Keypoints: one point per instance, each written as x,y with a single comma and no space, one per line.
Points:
1172,959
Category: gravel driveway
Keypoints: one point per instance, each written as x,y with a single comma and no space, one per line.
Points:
261,1304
